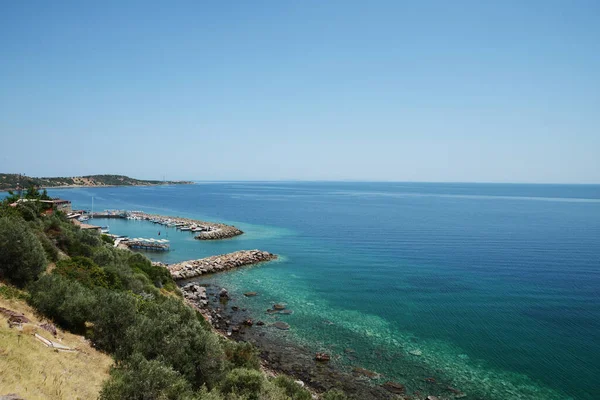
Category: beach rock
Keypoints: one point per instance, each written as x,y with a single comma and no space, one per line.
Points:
394,387
357,371
250,294
49,327
281,325
432,398
260,323
248,322
323,357
223,293
235,308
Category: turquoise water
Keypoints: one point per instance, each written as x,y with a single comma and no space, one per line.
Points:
495,288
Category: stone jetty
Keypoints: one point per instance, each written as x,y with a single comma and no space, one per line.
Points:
223,262
204,230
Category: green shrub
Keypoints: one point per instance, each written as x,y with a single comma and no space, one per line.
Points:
105,256
334,394
245,382
107,239
158,275
292,389
168,330
241,354
11,292
86,272
49,248
67,302
116,311
140,379
22,256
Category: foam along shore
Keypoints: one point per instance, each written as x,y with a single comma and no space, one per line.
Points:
223,262
206,230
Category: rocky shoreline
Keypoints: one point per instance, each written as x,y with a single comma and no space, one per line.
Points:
318,370
195,268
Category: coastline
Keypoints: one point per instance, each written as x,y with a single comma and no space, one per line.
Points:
104,186
279,353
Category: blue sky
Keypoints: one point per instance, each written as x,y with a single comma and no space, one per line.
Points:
484,91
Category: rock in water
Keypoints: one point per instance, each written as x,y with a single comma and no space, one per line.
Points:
278,307
250,294
281,325
394,387
323,357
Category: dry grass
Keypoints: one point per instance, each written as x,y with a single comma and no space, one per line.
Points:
35,371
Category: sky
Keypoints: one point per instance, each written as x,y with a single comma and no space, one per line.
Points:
441,91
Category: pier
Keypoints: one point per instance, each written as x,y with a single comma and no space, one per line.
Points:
147,244
223,262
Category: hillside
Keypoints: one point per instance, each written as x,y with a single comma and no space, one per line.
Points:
35,371
12,181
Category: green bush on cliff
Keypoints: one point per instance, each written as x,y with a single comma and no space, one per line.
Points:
115,313
241,354
245,382
141,379
168,330
292,390
22,256
86,272
157,275
67,302
334,394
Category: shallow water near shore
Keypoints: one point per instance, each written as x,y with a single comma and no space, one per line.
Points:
493,288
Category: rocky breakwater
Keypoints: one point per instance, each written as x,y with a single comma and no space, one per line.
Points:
223,262
218,231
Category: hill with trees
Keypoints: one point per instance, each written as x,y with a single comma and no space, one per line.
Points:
15,181
127,308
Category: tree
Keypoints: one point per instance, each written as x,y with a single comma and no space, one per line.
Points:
138,378
22,256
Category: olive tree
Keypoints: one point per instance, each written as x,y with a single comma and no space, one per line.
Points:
22,256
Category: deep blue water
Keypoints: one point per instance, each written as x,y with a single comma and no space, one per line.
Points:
494,287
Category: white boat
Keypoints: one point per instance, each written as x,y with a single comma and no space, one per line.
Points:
83,218
104,229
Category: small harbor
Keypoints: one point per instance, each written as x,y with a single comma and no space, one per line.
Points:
202,230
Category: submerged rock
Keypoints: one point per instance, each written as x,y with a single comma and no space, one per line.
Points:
357,371
250,294
322,357
278,307
281,325
394,387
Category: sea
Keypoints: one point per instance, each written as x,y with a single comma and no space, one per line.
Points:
494,288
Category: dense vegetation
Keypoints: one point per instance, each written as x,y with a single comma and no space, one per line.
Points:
125,306
12,181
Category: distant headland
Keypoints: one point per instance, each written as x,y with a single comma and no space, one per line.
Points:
16,181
